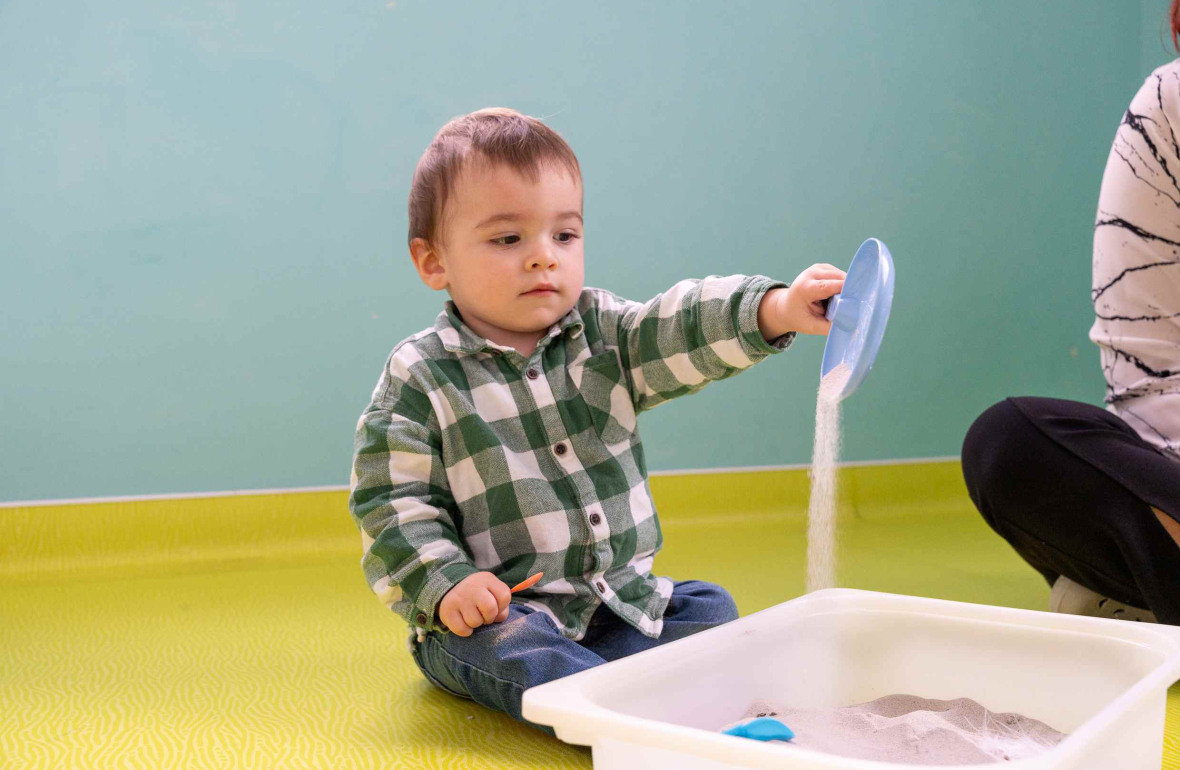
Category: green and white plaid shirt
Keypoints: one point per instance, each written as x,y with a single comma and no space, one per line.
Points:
471,458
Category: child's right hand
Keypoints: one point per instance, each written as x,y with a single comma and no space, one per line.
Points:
477,600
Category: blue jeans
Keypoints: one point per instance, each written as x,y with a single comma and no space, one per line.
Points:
498,662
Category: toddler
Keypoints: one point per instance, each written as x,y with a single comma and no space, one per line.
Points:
501,442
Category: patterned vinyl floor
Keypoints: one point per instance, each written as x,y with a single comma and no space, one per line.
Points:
296,665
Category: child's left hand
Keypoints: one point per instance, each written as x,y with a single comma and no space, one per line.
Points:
800,308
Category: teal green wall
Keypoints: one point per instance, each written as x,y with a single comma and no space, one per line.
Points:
202,209
1156,45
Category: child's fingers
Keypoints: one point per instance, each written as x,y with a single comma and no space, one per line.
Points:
487,606
817,326
502,593
820,271
818,318
826,288
824,270
453,620
471,615
502,616
818,312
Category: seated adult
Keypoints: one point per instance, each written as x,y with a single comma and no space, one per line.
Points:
1091,497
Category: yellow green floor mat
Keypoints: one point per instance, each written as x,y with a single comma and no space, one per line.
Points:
256,644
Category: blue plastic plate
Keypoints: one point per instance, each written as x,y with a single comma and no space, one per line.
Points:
859,314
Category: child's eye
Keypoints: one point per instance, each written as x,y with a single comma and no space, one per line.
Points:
566,237
506,240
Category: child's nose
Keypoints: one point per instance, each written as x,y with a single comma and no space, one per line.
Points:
542,257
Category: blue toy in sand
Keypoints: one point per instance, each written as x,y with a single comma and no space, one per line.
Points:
859,314
762,729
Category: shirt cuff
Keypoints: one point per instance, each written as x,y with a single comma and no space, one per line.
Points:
749,334
425,612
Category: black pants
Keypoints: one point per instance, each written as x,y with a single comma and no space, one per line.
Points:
1071,487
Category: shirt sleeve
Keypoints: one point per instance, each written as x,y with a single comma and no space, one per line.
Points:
402,504
697,332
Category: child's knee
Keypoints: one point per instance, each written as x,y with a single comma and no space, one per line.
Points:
708,602
726,606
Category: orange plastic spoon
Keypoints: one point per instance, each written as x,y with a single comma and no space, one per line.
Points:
528,582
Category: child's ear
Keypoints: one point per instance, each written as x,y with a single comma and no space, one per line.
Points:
429,264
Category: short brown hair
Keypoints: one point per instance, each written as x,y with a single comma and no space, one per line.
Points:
497,135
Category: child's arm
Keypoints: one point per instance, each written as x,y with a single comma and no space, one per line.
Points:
700,331
403,505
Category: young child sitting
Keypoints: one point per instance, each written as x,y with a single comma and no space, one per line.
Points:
501,442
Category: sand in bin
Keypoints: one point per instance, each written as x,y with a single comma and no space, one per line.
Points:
908,729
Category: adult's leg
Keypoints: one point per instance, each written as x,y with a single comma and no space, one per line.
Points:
498,662
1076,492
695,606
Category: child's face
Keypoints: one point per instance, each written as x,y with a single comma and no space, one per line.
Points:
510,253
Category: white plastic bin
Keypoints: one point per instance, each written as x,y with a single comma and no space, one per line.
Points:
1104,682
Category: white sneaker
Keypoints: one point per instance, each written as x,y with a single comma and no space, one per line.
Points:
1075,599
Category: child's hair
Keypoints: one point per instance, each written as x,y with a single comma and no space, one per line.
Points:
496,135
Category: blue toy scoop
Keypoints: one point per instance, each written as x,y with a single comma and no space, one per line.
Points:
762,729
859,314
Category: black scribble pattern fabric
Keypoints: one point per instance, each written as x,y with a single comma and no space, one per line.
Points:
1136,290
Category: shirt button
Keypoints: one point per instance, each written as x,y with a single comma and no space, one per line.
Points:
560,449
601,586
595,519
421,619
533,374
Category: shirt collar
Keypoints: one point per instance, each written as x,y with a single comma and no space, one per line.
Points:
457,337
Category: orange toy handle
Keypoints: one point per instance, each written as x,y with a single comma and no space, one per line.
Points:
528,582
